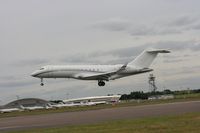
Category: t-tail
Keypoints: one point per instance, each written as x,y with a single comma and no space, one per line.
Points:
145,59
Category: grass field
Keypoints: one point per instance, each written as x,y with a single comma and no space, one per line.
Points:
178,98
183,96
185,123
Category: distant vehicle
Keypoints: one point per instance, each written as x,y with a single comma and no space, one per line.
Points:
101,73
9,110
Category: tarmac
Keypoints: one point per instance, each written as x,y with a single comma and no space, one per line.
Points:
96,116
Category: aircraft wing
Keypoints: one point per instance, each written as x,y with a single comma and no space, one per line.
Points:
100,76
95,76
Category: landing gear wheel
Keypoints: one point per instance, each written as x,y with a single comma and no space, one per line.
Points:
101,83
42,84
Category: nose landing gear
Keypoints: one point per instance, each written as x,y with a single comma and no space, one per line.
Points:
101,83
42,84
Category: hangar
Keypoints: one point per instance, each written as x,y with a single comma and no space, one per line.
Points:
27,102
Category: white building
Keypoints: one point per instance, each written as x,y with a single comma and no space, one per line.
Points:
161,97
94,99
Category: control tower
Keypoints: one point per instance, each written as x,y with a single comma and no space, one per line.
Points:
152,84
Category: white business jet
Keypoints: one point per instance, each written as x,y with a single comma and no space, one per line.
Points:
101,73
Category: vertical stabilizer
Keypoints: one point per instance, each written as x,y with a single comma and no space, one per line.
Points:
145,59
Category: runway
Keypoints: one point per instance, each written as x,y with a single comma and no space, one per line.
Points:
95,116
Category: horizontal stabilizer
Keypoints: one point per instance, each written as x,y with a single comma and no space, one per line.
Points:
158,51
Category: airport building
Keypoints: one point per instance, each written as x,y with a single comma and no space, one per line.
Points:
103,99
164,97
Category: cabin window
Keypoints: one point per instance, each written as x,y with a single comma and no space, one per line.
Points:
42,68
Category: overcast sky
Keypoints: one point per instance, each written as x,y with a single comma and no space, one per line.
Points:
34,33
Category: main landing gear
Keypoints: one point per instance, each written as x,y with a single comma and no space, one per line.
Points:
101,83
42,84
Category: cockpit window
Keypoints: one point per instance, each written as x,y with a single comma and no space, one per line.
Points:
42,68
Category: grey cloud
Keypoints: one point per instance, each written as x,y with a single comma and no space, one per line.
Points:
119,60
7,78
171,45
31,62
182,21
127,54
174,60
194,27
179,45
74,59
181,70
168,31
197,27
112,25
133,29
185,23
175,26
141,31
78,58
183,83
171,56
14,83
144,31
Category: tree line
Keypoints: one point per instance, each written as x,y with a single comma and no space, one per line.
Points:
145,95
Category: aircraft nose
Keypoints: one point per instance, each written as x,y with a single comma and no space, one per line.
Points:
34,74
